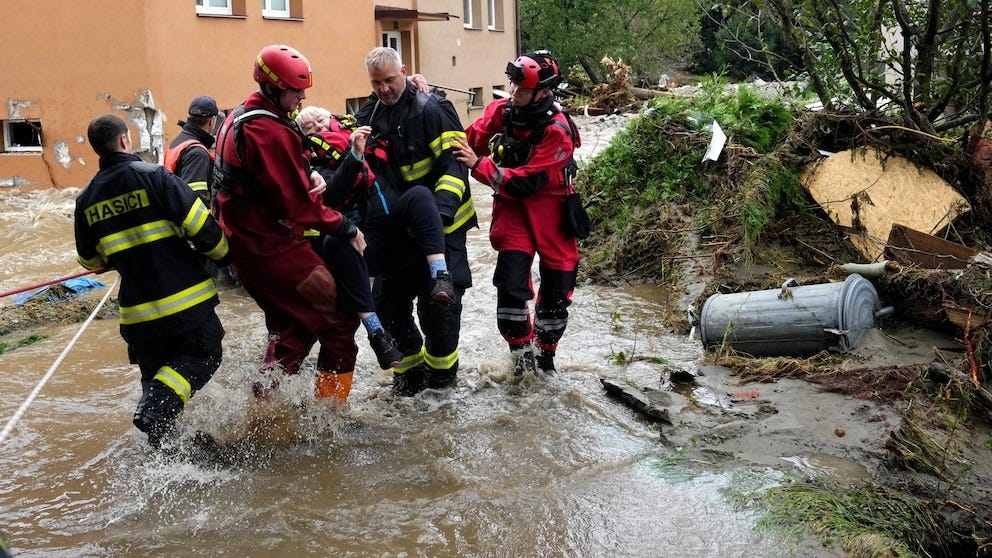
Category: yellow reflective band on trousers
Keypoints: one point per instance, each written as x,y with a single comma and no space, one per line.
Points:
136,236
446,140
464,213
411,173
155,309
168,376
195,219
451,184
410,361
442,362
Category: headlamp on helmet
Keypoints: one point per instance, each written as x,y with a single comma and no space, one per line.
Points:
534,70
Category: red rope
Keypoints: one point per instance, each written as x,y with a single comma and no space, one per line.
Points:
52,282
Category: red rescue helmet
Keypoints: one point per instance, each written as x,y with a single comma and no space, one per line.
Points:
284,67
534,70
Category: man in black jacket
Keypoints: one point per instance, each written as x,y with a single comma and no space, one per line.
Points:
409,149
189,155
140,219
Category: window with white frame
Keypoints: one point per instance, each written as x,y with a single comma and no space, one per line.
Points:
214,7
20,136
468,6
275,8
475,98
494,9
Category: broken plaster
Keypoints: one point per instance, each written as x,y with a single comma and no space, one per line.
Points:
147,119
14,182
61,148
14,108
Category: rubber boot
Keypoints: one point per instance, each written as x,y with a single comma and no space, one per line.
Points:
523,359
156,413
410,382
546,361
440,379
333,385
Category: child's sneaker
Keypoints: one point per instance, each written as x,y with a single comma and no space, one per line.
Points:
443,290
385,349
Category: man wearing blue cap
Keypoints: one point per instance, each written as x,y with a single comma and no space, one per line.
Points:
189,155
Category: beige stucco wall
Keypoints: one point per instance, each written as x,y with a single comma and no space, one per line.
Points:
453,56
68,62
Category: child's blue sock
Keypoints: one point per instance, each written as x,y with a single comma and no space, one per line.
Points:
372,323
437,265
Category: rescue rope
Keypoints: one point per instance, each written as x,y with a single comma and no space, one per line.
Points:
37,389
52,282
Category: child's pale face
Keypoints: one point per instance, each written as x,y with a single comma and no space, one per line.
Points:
313,124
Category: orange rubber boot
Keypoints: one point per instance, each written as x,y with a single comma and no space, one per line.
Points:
336,385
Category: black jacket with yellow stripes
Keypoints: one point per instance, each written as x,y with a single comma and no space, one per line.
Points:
411,144
139,219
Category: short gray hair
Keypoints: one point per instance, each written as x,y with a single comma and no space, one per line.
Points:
311,111
381,57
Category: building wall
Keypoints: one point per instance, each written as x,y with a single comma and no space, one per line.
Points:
145,60
460,58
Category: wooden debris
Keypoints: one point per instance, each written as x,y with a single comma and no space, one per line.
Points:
867,191
911,247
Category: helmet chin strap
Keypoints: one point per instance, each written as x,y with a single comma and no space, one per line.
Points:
533,99
272,93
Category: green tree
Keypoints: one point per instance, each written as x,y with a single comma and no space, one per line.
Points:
739,44
925,61
643,33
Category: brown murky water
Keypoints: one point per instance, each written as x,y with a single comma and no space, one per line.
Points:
551,468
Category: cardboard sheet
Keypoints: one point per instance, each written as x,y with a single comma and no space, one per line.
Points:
865,193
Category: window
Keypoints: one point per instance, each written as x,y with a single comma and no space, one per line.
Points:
473,9
499,92
22,136
275,8
352,104
495,14
393,40
475,98
214,7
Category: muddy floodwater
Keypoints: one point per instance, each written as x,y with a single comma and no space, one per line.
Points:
492,468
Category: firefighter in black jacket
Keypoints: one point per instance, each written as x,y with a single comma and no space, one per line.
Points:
139,219
410,146
189,154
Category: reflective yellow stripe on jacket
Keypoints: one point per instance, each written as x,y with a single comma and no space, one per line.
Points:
172,304
135,236
464,213
198,186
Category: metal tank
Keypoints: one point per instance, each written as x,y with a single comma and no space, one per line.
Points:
795,320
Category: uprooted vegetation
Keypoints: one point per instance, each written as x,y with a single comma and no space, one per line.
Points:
661,215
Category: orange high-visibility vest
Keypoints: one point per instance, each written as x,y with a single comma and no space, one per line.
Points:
172,155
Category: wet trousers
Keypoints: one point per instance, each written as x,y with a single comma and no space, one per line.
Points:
172,370
298,296
520,229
